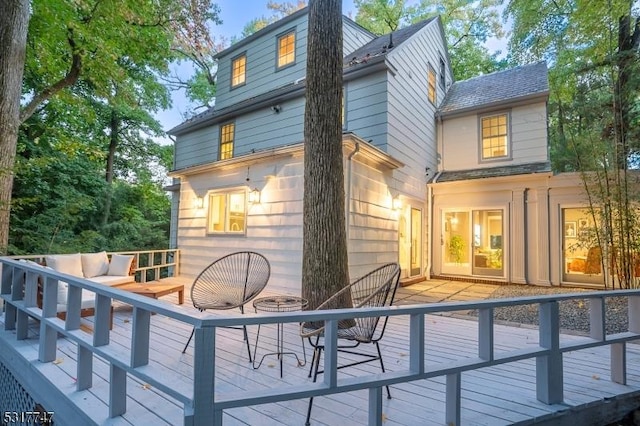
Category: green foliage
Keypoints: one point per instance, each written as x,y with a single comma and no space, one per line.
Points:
58,202
384,16
88,174
467,26
593,50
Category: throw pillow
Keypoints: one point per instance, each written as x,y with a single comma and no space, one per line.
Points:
66,263
120,264
95,264
63,289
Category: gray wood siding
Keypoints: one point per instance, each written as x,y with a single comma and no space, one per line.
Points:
353,37
197,147
366,103
411,128
461,139
261,73
264,128
258,130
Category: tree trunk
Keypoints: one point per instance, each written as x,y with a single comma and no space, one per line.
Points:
324,258
114,128
14,23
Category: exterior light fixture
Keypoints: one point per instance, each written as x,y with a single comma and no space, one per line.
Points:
254,196
199,203
396,203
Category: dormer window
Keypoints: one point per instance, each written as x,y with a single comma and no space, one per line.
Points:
286,54
495,136
431,85
238,70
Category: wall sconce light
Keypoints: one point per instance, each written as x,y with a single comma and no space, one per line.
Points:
199,203
396,203
254,196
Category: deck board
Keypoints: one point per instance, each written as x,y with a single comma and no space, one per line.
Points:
498,395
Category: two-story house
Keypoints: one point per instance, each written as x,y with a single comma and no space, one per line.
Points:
440,176
498,210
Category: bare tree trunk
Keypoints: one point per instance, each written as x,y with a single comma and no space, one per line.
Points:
324,259
14,23
114,128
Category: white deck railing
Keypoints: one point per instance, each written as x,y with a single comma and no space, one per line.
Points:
201,401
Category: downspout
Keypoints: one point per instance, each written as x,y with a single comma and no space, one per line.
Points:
430,197
347,207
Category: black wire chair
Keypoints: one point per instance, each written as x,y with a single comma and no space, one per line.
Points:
230,282
377,288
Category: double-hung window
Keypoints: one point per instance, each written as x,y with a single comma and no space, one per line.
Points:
227,212
431,85
227,135
286,52
238,70
494,136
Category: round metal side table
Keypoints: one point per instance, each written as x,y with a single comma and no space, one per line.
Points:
279,304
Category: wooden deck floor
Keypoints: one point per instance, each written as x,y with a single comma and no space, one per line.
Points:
498,395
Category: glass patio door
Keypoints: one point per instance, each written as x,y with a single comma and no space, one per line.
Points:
581,254
487,243
456,242
416,241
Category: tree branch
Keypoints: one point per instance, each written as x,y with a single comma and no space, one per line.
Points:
67,81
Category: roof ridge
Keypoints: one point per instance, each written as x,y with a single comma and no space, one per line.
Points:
518,67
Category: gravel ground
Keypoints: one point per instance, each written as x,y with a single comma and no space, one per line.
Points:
574,314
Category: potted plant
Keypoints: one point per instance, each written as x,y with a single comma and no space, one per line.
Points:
456,248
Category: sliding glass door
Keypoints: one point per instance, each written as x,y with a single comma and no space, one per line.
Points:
472,242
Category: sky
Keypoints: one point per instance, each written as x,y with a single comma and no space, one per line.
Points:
235,14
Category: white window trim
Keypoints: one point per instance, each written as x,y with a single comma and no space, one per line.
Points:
509,145
226,192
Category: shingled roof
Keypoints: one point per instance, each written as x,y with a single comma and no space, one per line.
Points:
487,172
380,46
522,82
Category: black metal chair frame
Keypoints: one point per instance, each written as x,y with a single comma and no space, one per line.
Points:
228,283
366,330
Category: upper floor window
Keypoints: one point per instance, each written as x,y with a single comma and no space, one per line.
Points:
442,73
238,70
495,136
431,85
227,134
286,49
227,212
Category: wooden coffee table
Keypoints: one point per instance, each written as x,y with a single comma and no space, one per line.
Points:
155,289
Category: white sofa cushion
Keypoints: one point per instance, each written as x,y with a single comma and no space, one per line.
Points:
94,264
88,300
120,264
111,280
66,263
